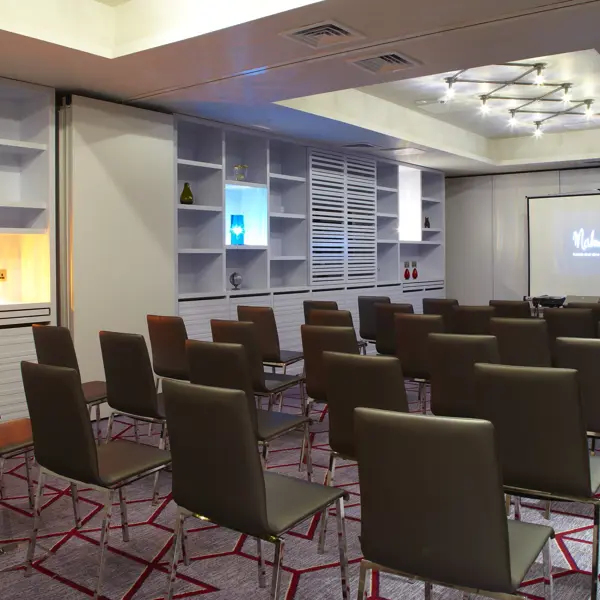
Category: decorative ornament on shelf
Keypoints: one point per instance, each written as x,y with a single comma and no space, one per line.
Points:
406,274
186,195
240,172
415,273
236,280
427,223
237,230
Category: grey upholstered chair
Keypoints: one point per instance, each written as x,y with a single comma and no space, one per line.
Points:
454,532
352,381
385,337
511,309
583,355
16,440
317,340
522,342
317,305
335,318
130,386
264,385
452,359
593,306
366,316
64,448
218,476
167,339
266,327
54,347
572,322
226,365
473,320
412,348
541,438
443,307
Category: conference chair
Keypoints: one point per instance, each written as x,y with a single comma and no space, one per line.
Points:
571,323
15,441
130,386
54,347
452,359
217,476
227,366
452,533
64,449
167,340
412,348
272,355
511,309
366,316
385,336
352,381
522,342
335,318
593,306
310,305
443,307
473,320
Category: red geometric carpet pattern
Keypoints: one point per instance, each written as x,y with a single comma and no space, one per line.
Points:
223,563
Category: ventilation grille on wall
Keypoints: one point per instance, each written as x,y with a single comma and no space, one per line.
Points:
323,35
385,63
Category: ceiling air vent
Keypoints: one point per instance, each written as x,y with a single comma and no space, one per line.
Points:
385,63
322,35
360,146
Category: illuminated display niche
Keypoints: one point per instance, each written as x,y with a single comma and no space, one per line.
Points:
249,207
26,259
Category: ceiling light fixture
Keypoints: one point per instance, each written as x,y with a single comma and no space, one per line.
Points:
589,113
450,91
538,133
512,122
485,107
539,77
567,93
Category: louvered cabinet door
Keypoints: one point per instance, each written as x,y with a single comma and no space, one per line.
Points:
361,223
327,218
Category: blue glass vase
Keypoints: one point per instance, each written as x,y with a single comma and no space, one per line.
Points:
237,230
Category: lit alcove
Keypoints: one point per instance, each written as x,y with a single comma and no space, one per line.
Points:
246,215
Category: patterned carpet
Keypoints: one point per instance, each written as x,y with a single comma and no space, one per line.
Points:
224,565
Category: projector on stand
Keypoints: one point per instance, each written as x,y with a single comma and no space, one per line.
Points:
548,301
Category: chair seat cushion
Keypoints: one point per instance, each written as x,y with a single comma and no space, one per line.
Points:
120,460
290,501
525,542
278,381
271,424
287,357
15,435
94,392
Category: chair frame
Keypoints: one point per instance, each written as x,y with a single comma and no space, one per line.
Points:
27,451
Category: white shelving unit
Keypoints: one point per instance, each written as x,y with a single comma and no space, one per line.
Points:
388,257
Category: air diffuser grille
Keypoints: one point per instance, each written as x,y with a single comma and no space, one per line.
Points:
385,63
323,35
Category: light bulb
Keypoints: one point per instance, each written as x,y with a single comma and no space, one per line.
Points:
237,230
539,78
450,91
512,122
589,113
485,108
538,133
566,94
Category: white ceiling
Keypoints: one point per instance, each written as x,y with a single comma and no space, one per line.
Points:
112,2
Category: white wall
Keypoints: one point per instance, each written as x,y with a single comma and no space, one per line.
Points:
123,252
486,230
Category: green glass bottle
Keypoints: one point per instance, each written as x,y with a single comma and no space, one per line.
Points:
186,195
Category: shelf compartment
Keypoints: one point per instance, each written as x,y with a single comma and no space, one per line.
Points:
206,185
287,160
288,196
252,264
387,176
23,215
199,144
388,265
200,230
289,274
252,204
245,149
289,237
200,273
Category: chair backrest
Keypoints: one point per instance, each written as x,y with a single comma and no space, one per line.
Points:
522,342
452,360
443,307
266,328
366,315
310,305
593,306
167,339
225,366
540,431
228,487
473,320
244,333
411,524
572,322
54,346
412,342
352,381
511,309
385,334
315,341
331,318
130,385
583,356
62,432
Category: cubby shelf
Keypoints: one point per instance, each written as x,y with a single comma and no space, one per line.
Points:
280,215
23,205
291,258
430,200
287,177
387,241
383,188
199,164
245,183
384,215
431,230
246,247
421,243
200,207
200,251
21,148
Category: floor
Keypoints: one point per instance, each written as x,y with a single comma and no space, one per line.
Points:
224,563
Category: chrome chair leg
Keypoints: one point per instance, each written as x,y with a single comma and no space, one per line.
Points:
104,541
595,552
98,432
517,503
184,542
548,581
280,401
363,590
36,522
124,522
262,571
343,547
109,429
548,510
136,431
328,481
277,562
428,587
2,461
306,444
28,475
161,445
175,558
75,501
